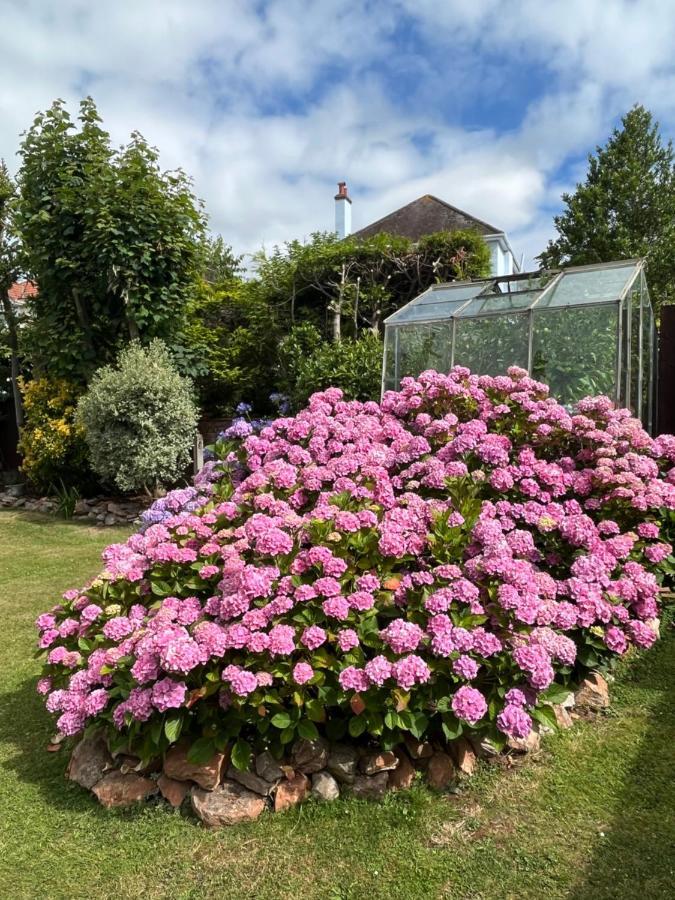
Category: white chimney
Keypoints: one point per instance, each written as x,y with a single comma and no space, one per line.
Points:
343,211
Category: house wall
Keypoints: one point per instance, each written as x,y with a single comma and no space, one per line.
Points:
502,262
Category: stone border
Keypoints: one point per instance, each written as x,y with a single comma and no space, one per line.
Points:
222,795
97,510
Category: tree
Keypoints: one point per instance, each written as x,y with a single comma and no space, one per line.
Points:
220,264
232,337
114,243
346,285
625,208
9,270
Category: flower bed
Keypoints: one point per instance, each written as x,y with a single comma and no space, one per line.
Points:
446,564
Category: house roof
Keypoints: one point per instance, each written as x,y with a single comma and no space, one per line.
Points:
21,290
426,215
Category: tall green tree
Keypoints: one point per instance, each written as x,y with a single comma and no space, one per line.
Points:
9,271
220,263
625,208
114,243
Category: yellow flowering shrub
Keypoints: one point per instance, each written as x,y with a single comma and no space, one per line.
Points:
52,442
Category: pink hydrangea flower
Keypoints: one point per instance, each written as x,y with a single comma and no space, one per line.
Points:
469,705
168,694
353,679
313,637
302,673
347,639
514,721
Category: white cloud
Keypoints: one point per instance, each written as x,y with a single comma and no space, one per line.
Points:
269,104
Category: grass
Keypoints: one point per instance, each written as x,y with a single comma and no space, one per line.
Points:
592,817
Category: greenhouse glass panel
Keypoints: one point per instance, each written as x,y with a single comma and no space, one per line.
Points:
490,344
574,350
594,285
491,303
584,330
444,301
389,375
426,346
624,379
648,338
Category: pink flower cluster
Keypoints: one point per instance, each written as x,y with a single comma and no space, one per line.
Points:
411,551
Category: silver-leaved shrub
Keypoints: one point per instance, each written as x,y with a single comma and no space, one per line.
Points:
139,418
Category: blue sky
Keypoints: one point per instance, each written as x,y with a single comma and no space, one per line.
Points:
490,105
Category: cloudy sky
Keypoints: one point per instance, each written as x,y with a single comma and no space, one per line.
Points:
490,104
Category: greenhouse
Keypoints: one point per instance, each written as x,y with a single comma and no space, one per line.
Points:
583,330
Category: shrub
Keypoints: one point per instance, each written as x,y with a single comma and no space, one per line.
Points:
139,419
354,366
52,441
447,562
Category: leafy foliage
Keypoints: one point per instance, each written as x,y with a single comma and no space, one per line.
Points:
353,365
343,286
139,419
625,208
10,359
231,333
52,441
113,242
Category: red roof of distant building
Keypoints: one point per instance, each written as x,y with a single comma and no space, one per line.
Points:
20,290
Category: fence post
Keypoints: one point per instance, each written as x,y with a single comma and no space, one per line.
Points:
665,382
198,453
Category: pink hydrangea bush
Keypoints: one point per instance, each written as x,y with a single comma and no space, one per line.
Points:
447,561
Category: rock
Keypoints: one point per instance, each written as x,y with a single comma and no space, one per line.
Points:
81,508
593,692
227,804
250,780
440,771
15,490
569,701
529,744
464,756
418,749
115,509
324,786
290,793
402,777
207,775
267,767
379,761
109,519
342,762
173,791
484,748
89,761
370,787
116,789
310,755
562,717
126,763
655,625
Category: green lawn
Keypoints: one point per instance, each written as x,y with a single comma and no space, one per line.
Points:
592,817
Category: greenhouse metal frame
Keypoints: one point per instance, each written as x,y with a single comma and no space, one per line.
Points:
583,330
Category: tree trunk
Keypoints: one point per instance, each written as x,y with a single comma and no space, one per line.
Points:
335,309
14,361
83,319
